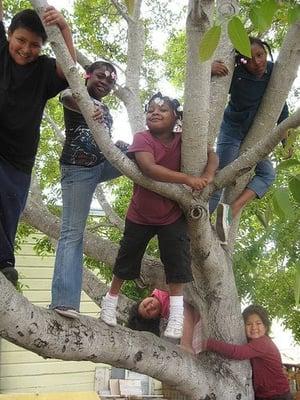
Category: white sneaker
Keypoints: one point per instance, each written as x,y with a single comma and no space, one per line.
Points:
223,222
109,310
174,328
67,312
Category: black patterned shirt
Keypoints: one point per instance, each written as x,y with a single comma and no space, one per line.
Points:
80,147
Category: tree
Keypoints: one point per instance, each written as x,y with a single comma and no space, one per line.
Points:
214,291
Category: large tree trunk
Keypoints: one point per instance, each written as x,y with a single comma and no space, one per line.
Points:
213,291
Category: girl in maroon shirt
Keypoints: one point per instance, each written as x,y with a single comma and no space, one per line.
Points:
269,380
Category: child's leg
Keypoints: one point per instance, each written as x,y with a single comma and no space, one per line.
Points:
191,317
127,265
78,185
110,302
14,190
257,187
174,248
175,324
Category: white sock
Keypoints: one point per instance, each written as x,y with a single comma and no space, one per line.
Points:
113,298
176,305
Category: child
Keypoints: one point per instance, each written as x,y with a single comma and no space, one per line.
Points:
27,81
157,153
146,315
249,82
269,380
83,166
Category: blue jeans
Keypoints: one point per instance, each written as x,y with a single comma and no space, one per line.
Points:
13,195
78,186
228,148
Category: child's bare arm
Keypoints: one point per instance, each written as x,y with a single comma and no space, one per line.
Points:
53,17
219,68
69,102
157,172
211,166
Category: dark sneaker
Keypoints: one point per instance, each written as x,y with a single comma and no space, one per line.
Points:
223,222
11,274
67,312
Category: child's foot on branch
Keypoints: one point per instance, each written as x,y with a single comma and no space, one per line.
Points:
223,222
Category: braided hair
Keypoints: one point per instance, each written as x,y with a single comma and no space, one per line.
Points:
240,59
172,103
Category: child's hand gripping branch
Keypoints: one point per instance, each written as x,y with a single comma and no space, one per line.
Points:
51,17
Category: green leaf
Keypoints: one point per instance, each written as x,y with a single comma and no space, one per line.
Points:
130,6
294,14
209,43
297,286
261,15
282,205
292,162
294,186
239,37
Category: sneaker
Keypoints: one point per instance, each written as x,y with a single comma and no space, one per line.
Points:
174,328
11,274
109,310
67,312
223,222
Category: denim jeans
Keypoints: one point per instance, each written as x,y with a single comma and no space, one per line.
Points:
228,148
78,186
13,195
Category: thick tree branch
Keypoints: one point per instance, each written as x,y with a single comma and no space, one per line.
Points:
220,85
196,92
51,336
112,216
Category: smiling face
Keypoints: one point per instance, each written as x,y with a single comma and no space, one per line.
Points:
149,308
24,46
254,327
258,63
160,116
101,81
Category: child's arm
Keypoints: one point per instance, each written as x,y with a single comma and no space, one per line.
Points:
53,17
68,101
235,351
218,68
211,167
157,172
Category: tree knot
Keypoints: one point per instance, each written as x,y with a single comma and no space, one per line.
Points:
197,211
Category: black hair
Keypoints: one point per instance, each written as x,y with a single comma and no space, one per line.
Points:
138,323
173,103
28,19
261,312
98,64
254,40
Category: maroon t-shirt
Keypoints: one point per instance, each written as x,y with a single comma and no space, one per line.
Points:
146,207
268,376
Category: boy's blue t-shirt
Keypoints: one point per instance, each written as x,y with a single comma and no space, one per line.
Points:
246,93
24,91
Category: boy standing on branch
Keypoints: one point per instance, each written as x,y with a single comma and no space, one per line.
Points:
27,81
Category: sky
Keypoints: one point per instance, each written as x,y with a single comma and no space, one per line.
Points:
283,339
